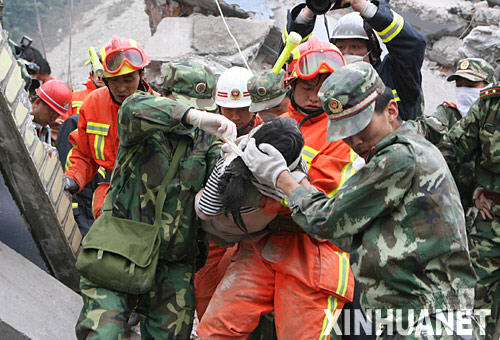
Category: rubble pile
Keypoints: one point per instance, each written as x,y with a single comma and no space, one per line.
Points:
174,30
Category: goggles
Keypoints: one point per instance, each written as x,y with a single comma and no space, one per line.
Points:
312,63
114,61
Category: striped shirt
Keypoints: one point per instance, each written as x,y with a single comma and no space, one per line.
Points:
210,202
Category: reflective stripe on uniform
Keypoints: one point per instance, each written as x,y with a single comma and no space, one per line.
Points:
343,273
346,172
99,147
308,154
395,95
331,307
391,31
100,130
102,172
284,36
68,162
74,205
76,105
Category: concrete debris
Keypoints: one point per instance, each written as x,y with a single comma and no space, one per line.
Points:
248,33
453,29
446,51
483,42
158,9
487,16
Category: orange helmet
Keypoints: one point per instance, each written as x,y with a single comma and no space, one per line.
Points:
57,95
312,58
122,56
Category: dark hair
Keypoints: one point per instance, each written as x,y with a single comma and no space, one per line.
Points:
285,136
33,55
382,100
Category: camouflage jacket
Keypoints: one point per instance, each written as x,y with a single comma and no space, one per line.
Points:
440,122
477,137
436,126
149,129
402,220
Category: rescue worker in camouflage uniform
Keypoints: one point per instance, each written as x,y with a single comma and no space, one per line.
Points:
476,137
190,83
149,130
472,75
268,94
400,215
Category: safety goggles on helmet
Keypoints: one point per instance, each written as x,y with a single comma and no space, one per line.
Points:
312,63
114,61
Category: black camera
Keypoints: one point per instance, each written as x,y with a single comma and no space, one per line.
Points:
322,6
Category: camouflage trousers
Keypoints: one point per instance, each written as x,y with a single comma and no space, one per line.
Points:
166,312
484,239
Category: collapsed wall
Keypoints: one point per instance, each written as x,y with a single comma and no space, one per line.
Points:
34,176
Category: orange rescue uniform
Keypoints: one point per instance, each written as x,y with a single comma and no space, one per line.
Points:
97,143
297,276
79,96
208,277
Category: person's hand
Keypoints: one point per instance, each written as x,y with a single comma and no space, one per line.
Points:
265,162
356,5
212,123
56,124
482,204
70,185
308,12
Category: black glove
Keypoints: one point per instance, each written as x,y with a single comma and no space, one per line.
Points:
70,185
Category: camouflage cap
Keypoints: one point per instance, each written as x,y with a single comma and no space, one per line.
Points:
348,97
267,90
473,69
191,84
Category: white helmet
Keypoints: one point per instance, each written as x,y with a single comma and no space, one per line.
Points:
350,26
231,89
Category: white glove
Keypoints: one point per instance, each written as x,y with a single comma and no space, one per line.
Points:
212,123
265,165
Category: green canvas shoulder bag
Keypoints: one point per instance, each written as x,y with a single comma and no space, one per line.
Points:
121,254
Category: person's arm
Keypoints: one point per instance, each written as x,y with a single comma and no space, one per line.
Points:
142,115
461,144
372,192
82,167
301,20
406,47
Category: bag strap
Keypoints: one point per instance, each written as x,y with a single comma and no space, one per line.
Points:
162,195
172,169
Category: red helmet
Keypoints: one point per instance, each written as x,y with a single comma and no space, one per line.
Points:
122,56
312,58
57,95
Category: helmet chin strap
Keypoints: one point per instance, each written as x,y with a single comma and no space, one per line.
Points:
242,130
140,87
309,113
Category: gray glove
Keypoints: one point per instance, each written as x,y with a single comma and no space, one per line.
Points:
265,165
70,185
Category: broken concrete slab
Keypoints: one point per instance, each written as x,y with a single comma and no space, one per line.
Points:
483,42
173,39
33,176
34,304
159,9
211,36
446,51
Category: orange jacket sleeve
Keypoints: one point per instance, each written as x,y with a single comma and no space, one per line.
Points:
83,167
